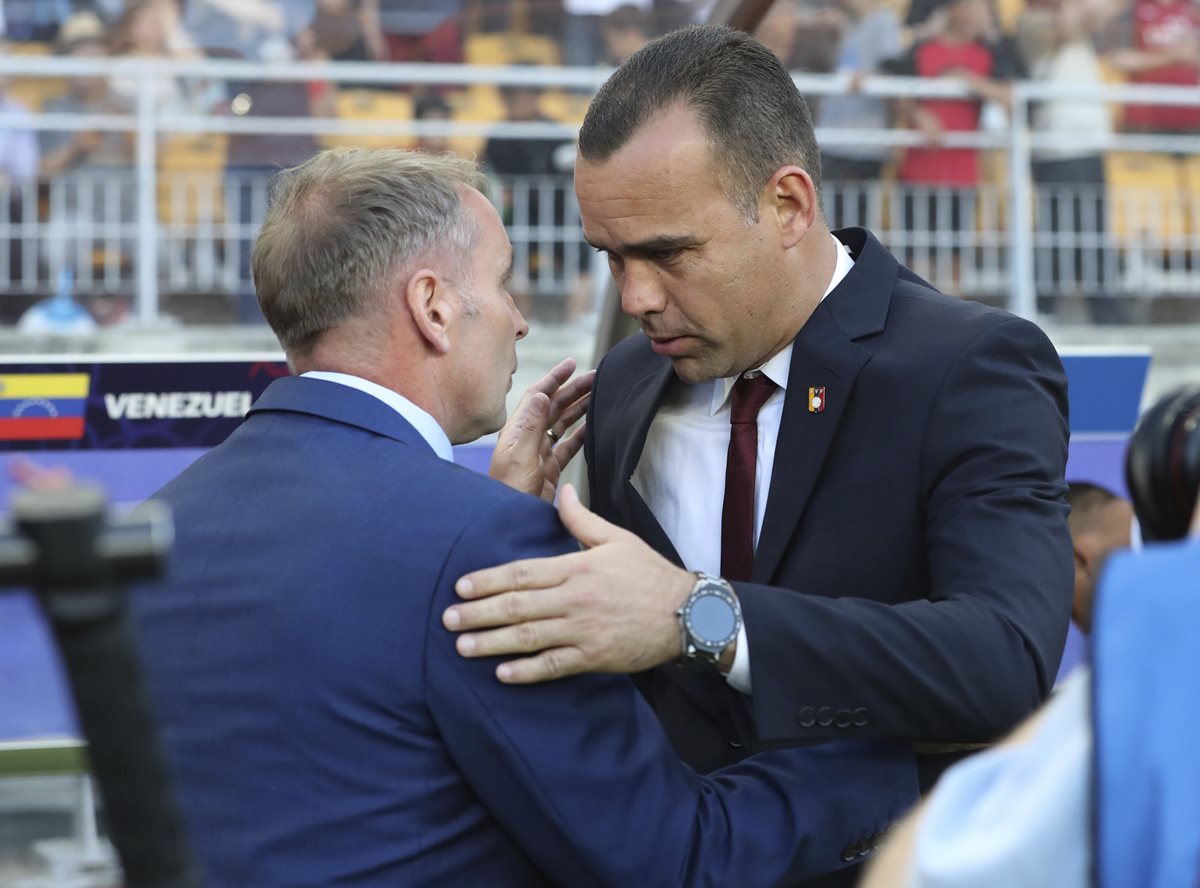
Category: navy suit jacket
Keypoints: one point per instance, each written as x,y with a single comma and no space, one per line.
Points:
322,730
914,571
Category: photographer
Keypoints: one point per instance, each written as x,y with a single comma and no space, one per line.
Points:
1028,811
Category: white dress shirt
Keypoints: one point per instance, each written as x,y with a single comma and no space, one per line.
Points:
425,424
682,469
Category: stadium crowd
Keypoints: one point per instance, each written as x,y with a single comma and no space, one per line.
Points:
1091,206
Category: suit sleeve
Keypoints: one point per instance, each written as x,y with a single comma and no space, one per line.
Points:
580,774
980,650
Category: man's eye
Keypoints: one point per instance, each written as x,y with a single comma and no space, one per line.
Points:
664,256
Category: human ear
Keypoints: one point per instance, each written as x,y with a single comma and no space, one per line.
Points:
428,299
792,197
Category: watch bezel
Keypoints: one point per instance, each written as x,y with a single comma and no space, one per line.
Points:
696,647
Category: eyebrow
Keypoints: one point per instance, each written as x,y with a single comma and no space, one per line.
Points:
665,243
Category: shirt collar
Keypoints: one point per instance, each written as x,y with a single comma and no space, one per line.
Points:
778,367
425,424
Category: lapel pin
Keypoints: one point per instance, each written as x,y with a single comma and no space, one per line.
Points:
816,399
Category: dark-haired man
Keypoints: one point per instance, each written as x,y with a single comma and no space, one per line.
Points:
867,474
1101,523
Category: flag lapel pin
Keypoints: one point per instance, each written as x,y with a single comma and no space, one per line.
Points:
816,399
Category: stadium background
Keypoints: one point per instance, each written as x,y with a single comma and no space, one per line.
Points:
137,140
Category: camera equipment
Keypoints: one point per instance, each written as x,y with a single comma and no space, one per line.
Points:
77,558
1162,465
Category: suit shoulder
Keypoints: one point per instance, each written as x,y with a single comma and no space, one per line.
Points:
927,313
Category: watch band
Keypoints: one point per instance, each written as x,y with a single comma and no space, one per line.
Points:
698,647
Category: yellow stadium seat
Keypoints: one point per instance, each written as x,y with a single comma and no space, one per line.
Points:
371,104
563,106
1008,12
34,92
190,180
1146,195
511,49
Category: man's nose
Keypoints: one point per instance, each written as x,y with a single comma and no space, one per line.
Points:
641,290
519,323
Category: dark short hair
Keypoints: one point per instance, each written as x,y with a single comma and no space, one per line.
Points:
1085,498
743,97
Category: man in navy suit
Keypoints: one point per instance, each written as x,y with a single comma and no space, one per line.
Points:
906,568
320,726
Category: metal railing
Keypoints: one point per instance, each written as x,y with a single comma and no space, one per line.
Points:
149,230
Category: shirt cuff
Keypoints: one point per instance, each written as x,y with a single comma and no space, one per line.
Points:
739,673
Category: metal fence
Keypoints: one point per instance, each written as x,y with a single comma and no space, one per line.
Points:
179,220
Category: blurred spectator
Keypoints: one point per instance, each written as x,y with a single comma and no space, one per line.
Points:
348,31
18,145
421,30
82,36
34,20
1101,523
88,184
431,107
1070,179
1158,42
946,179
583,23
18,167
253,157
625,30
803,35
248,29
152,29
870,35
533,171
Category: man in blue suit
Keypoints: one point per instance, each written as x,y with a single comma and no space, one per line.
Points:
893,500
321,727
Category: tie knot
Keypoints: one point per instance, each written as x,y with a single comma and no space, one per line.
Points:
749,394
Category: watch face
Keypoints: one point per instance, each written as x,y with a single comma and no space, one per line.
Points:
712,618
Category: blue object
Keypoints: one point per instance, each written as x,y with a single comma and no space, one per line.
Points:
1146,670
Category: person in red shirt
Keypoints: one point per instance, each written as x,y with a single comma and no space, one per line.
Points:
950,175
1162,46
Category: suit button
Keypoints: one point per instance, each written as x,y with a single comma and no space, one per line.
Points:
849,853
806,717
824,716
736,742
860,717
864,848
843,718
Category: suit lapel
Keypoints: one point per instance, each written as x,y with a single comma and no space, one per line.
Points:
642,405
826,354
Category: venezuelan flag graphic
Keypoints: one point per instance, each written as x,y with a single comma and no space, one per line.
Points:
42,406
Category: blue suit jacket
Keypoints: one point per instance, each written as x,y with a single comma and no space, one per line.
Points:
322,730
1146,667
913,576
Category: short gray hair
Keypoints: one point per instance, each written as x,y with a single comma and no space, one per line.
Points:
342,225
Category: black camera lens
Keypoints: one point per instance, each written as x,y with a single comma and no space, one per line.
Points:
1162,466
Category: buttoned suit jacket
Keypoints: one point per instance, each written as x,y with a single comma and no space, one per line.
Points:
914,571
322,729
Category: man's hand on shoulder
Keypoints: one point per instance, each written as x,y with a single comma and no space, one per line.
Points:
533,447
609,608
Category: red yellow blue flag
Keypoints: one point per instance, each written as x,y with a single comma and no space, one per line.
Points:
43,406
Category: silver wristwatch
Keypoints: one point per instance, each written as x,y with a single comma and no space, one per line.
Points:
709,620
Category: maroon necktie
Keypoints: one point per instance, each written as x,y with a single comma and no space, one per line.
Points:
737,514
